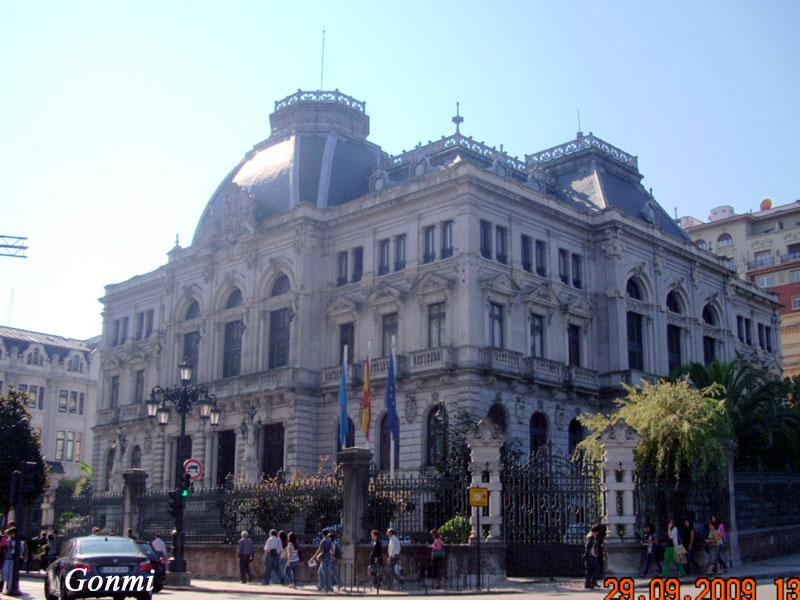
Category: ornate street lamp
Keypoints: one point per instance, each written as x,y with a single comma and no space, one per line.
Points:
182,398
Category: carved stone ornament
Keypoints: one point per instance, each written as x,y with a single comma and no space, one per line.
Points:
384,293
658,260
500,284
342,305
519,410
613,247
648,212
542,294
411,408
486,433
229,219
559,417
537,180
378,181
619,431
431,283
208,271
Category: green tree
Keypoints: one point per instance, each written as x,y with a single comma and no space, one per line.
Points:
684,430
18,444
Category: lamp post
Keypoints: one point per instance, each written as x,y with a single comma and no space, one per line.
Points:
182,398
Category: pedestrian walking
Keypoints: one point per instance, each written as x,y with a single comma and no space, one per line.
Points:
653,549
245,552
283,559
272,551
376,560
673,541
393,551
161,548
293,558
712,545
52,549
323,556
438,556
690,542
336,556
591,554
723,542
9,547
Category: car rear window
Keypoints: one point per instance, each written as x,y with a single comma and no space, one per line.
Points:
148,550
101,545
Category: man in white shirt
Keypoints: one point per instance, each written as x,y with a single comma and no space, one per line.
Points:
394,557
272,553
161,548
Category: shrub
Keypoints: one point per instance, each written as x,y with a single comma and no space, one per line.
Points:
456,531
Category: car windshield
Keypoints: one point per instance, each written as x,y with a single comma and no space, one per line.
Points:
148,550
100,545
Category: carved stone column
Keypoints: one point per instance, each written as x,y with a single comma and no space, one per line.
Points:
484,444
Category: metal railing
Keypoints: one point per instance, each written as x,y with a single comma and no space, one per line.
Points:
335,97
767,499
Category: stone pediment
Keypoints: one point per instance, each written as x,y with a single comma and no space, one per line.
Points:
110,362
430,283
342,305
501,284
384,293
542,294
578,306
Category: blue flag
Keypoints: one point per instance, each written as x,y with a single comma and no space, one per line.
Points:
344,419
391,403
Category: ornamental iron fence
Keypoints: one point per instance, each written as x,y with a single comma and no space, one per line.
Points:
766,499
102,509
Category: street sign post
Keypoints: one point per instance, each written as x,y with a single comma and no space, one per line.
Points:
193,468
478,499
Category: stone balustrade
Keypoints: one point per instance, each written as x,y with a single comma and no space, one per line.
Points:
504,361
543,370
432,360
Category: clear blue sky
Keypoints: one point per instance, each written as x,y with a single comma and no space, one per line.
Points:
119,119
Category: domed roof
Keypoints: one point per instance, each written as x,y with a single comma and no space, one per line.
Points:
317,153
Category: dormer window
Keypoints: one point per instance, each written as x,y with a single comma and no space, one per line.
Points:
35,357
75,364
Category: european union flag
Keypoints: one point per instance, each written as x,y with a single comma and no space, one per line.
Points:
391,403
344,419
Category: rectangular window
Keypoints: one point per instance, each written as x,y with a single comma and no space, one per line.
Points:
574,345
501,241
383,257
80,403
78,444
279,330
447,239
761,342
537,336
389,329
496,325
541,258
41,396
437,320
69,449
138,325
358,263
763,259
73,403
767,339
115,337
748,332
138,387
60,445
232,349
33,396
526,250
22,388
740,328
400,252
429,236
674,354
486,239
709,350
635,342
341,268
765,281
347,337
796,303
148,323
563,266
63,398
191,351
577,270
123,330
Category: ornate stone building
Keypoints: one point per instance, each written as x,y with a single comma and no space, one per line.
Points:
523,289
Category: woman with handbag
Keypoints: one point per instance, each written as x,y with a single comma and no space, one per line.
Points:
673,541
712,543
438,556
293,559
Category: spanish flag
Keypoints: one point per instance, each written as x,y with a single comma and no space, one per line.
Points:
366,402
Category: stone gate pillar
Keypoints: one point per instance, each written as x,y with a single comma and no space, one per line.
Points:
355,490
484,443
622,548
134,483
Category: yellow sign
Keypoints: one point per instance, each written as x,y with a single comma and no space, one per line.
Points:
478,496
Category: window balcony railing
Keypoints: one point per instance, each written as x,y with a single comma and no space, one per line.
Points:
543,370
106,416
332,376
133,412
442,357
447,252
268,379
583,378
380,367
766,261
791,257
503,361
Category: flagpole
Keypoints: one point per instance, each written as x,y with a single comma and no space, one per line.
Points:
391,436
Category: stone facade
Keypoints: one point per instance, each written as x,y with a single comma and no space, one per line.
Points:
504,281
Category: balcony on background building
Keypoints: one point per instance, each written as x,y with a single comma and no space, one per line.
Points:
332,376
380,367
434,359
270,379
759,263
791,257
106,416
503,361
133,412
546,371
583,378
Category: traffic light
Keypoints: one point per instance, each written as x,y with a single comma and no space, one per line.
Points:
186,486
30,477
175,504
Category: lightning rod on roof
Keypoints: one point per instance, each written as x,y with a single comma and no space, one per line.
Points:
322,62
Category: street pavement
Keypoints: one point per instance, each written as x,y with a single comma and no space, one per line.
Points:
562,589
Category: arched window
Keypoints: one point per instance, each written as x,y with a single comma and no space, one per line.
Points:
437,437
280,287
109,470
725,239
193,311
710,315
351,436
136,458
635,341
634,289
576,435
385,434
279,336
235,299
538,432
497,415
702,244
674,303
232,348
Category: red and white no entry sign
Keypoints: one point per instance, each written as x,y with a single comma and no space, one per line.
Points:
193,468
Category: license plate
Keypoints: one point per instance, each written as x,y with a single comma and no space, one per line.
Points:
111,570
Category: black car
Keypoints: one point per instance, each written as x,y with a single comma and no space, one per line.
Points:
98,565
160,570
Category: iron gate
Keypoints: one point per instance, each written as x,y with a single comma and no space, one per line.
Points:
549,504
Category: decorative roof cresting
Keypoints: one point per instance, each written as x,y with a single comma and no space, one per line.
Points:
335,97
583,142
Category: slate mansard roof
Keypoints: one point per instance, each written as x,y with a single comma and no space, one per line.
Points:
318,153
